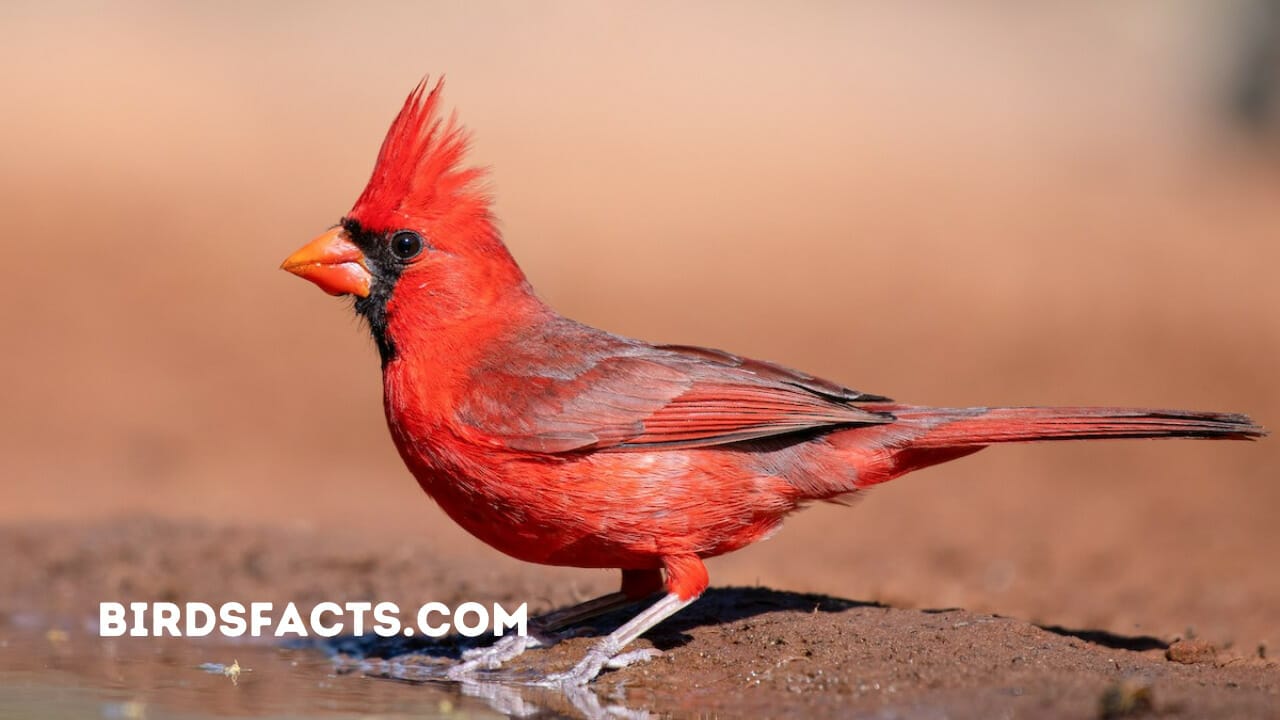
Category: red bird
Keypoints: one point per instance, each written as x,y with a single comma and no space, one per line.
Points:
561,444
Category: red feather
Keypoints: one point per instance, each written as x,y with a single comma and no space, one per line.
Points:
615,393
419,178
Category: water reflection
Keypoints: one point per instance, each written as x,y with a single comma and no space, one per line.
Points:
82,675
505,692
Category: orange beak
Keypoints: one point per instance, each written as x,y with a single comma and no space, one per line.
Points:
332,262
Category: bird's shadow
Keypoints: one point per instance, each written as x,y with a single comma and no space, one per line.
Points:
716,606
1114,641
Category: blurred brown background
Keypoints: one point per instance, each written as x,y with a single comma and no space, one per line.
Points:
979,203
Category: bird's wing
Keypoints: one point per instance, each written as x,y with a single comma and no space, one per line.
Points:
624,395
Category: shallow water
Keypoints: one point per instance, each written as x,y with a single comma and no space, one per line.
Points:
65,675
60,674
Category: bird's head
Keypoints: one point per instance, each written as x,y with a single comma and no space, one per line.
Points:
419,248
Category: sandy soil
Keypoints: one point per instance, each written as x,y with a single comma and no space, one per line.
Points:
737,651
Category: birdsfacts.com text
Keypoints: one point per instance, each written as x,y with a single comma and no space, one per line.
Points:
326,619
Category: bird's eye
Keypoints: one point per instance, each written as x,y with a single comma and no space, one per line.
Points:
406,244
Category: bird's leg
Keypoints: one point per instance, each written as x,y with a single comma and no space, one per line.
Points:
606,652
686,579
636,585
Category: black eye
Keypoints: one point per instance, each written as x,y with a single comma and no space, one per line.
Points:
406,244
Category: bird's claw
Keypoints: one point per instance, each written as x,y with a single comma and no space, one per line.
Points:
493,656
617,662
604,655
505,648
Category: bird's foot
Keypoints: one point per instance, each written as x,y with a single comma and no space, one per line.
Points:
627,659
606,654
493,656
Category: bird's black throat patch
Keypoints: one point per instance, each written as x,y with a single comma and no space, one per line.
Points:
385,269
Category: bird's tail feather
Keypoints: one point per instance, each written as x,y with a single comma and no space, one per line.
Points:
966,427
924,436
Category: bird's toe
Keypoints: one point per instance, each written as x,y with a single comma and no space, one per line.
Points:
627,659
493,656
604,655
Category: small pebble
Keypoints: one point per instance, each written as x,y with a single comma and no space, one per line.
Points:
1191,652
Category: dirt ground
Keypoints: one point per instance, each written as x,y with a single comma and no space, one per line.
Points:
737,652
953,205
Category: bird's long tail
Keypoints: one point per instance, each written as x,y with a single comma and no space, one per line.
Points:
965,427
924,436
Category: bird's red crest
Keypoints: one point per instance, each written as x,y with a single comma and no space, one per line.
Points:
418,178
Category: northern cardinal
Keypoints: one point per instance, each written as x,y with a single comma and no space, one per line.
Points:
558,443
